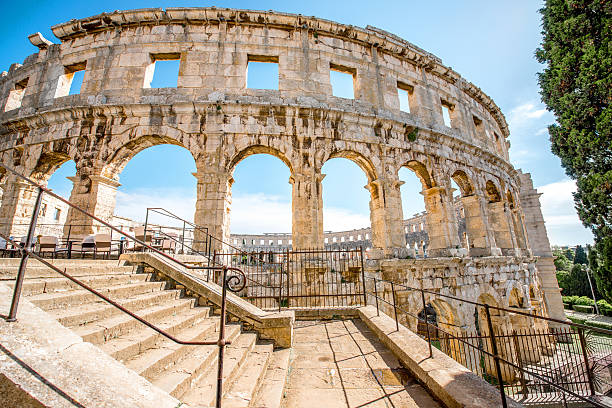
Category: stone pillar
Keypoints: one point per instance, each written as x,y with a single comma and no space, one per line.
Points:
213,206
480,236
17,203
519,228
307,208
500,224
96,195
441,222
540,247
388,238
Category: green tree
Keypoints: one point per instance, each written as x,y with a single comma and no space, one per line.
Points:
576,85
580,257
562,264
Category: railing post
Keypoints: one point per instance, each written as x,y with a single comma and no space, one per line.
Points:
183,240
585,356
365,295
280,288
24,258
394,306
288,266
496,357
144,238
426,323
221,342
376,296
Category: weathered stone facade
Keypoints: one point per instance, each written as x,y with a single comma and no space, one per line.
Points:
220,121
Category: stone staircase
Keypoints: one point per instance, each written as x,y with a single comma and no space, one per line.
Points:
186,372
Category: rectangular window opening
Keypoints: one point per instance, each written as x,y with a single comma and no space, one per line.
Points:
446,115
163,71
404,93
262,72
342,81
480,130
16,95
72,81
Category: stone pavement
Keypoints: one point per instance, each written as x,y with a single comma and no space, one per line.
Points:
341,363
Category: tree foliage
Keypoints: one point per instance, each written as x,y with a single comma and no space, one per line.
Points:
576,85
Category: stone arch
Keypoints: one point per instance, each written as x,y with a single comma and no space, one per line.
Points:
122,155
492,192
421,172
359,159
47,164
257,149
464,182
515,296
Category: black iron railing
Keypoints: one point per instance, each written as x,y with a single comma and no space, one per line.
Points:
536,364
300,278
234,282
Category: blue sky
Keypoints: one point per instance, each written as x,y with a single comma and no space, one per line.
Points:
489,43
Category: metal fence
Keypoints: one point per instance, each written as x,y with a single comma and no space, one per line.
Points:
535,365
300,279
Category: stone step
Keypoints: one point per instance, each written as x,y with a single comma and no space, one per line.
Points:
199,371
249,378
48,285
49,301
103,330
270,394
90,312
202,391
129,345
153,362
43,271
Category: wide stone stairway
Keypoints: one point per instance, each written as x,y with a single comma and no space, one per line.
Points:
186,372
333,363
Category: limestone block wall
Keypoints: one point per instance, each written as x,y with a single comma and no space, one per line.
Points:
213,114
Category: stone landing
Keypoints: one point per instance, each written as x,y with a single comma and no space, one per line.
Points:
341,363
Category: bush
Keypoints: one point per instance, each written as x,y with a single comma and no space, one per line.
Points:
584,301
583,308
604,307
570,300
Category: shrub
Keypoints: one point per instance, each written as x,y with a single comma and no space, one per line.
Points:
583,308
604,307
584,301
570,300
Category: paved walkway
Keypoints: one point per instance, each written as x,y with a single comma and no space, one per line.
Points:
588,316
341,363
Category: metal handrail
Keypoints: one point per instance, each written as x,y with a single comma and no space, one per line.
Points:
494,353
235,283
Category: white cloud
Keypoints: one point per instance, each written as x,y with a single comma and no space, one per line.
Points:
526,114
134,204
251,213
562,222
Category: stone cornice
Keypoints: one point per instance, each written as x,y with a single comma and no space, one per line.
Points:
433,136
371,37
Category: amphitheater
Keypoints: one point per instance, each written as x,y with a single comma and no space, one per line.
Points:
490,247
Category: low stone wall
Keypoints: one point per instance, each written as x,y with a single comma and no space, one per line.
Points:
454,385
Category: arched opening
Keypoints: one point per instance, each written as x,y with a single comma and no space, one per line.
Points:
157,177
261,200
517,221
471,223
346,205
413,208
56,171
498,218
502,328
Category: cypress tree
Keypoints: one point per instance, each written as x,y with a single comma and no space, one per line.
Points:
576,85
